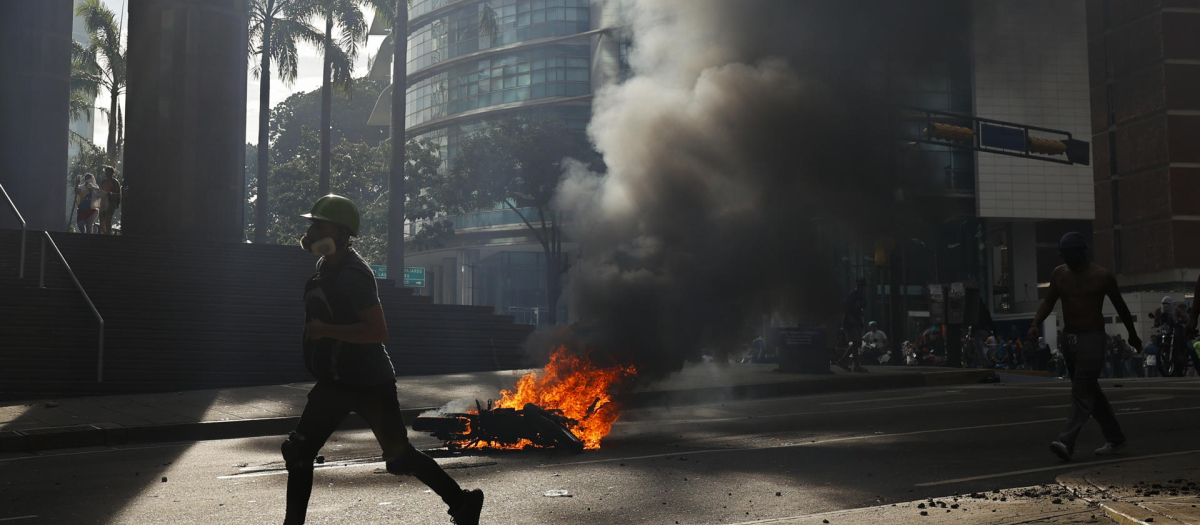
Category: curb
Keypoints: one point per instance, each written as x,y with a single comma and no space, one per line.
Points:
111,434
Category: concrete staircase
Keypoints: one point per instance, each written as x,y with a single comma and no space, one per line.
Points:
192,315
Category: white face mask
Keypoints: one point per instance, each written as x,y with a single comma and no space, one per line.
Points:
323,247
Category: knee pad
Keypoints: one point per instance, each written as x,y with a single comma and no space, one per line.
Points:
297,452
406,464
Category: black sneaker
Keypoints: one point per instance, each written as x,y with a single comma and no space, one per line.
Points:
467,510
1059,449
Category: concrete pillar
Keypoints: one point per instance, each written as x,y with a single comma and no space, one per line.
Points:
35,36
186,123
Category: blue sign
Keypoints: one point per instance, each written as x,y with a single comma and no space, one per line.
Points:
1002,137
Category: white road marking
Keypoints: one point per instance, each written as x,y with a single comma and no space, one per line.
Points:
1057,467
329,466
878,399
695,420
31,516
834,440
1145,398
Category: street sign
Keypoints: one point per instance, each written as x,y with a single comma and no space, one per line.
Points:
414,277
380,271
1003,137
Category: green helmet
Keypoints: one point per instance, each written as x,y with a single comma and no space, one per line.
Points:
336,209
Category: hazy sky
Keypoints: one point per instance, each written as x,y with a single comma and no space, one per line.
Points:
309,78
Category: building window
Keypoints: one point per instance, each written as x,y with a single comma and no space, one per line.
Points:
550,71
457,32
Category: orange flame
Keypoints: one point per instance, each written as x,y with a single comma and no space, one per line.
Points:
577,387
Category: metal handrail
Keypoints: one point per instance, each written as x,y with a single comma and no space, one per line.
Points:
42,285
21,271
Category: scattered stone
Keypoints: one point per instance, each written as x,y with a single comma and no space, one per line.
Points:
320,460
954,506
924,513
920,505
824,521
777,494
1057,501
164,479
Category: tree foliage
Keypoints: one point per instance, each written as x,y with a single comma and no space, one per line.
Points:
303,110
517,164
359,172
102,64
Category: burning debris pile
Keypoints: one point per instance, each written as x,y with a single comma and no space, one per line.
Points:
567,405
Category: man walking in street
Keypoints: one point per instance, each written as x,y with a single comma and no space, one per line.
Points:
1083,285
343,348
852,312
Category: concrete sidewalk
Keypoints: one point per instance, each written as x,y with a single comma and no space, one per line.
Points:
1132,491
275,409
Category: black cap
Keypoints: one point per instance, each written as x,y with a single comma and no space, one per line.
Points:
1072,240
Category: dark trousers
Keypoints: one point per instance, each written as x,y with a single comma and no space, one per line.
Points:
854,340
328,404
1084,354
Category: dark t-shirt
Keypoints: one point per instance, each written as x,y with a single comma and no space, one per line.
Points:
336,295
852,313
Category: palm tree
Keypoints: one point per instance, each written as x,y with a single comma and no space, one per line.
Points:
339,66
277,26
103,64
488,27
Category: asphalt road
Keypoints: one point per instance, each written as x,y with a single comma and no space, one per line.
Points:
731,463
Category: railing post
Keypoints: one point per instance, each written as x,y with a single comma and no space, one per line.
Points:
21,272
42,272
100,360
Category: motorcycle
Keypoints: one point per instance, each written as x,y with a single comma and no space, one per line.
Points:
1172,361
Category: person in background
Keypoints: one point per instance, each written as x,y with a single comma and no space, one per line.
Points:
1014,350
1173,319
1193,312
852,313
1043,354
758,350
1151,357
89,195
877,339
980,334
110,199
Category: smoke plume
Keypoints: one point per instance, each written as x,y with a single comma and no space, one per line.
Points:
749,142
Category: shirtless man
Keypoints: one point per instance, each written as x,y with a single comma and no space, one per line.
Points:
1082,285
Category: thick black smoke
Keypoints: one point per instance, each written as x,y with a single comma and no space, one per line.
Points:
752,138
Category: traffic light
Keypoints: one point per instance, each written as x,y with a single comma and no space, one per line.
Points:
949,133
1047,147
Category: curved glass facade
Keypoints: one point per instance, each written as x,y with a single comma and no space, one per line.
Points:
447,138
545,71
456,33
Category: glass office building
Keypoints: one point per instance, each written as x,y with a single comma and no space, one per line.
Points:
547,57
